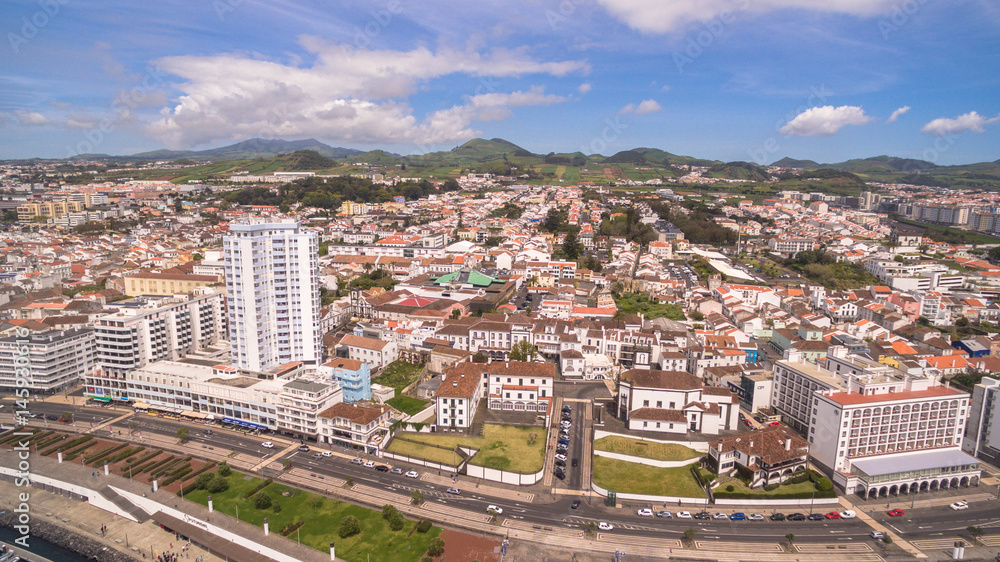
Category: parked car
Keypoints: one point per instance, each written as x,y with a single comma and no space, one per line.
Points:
895,513
396,470
382,468
684,515
644,512
412,474
369,464
738,516
561,464
755,517
719,515
563,442
560,475
664,514
317,455
575,504
833,515
797,517
357,461
848,514
774,424
702,515
604,526
267,445
815,517
560,457
454,491
777,517
959,505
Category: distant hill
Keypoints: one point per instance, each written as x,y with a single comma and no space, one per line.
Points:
793,163
739,171
875,164
248,149
655,156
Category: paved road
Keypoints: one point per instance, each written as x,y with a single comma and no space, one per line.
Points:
922,523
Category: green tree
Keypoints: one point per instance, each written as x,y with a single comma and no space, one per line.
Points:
183,434
178,205
523,351
480,357
975,532
201,482
262,500
553,220
417,496
436,548
396,521
690,534
217,485
571,246
791,538
349,526
962,322
224,469
387,511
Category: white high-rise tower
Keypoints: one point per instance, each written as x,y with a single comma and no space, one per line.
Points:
272,294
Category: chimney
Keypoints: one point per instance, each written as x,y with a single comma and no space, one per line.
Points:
751,444
788,443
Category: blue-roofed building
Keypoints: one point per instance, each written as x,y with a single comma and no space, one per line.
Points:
971,347
355,377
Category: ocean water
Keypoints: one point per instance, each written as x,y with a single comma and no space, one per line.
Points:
40,547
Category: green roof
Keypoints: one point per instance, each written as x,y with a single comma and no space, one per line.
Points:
480,279
447,277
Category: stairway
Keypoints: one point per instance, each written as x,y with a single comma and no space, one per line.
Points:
125,505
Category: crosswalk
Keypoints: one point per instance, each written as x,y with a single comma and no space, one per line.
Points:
726,546
938,544
833,548
991,541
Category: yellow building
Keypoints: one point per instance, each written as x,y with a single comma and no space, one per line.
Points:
165,283
50,209
352,208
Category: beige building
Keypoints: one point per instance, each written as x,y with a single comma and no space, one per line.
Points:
166,283
51,209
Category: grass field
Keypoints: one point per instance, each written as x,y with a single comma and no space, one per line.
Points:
502,447
322,520
399,375
646,449
785,491
634,478
634,303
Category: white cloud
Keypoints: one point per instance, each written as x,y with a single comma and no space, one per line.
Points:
80,122
647,106
30,118
350,95
627,109
663,16
971,121
584,88
824,121
665,88
895,114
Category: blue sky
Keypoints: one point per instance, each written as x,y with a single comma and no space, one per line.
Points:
752,80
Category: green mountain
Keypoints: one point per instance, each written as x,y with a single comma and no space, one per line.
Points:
793,163
655,156
739,171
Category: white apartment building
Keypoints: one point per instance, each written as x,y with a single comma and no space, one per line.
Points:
458,397
149,329
518,386
982,434
356,426
376,353
791,246
48,361
877,430
300,403
675,402
272,294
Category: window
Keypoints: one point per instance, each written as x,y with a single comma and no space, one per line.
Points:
645,403
659,403
645,424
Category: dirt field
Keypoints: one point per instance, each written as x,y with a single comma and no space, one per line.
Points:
463,547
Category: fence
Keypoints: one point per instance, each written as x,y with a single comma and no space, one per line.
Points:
652,499
502,476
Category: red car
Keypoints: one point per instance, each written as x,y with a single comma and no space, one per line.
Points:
896,513
773,424
833,515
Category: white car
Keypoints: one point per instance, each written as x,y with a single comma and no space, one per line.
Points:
605,526
959,505
412,474
876,534
494,509
327,454
755,517
267,445
720,515
645,512
369,464
683,515
848,514
560,457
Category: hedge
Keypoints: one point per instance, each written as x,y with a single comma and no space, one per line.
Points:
138,461
259,487
205,467
153,464
177,475
78,450
106,453
752,496
161,470
69,445
126,453
9,436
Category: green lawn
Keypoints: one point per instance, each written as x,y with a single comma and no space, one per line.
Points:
376,539
646,449
501,446
634,303
634,478
408,404
784,490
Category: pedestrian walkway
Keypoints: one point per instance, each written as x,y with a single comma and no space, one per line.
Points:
896,539
274,457
550,447
945,543
108,423
838,548
477,487
133,539
749,547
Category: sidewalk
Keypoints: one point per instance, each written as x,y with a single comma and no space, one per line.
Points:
896,539
467,484
133,539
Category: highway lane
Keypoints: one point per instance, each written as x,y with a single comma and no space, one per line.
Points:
923,522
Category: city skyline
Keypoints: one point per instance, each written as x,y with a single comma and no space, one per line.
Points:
727,80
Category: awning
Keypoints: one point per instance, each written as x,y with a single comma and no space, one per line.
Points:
141,405
193,414
244,423
102,398
214,543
